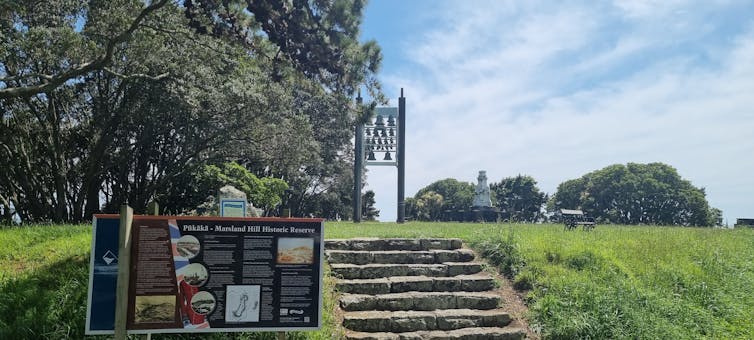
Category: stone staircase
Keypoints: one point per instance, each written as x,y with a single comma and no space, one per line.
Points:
415,289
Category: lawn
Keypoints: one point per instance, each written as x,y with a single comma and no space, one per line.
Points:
614,282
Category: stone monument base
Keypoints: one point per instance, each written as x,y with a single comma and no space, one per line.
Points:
483,214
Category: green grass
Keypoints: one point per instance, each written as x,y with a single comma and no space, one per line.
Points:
614,282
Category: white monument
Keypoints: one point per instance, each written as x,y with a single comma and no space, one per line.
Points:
482,191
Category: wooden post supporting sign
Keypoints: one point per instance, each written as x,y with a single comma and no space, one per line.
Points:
124,260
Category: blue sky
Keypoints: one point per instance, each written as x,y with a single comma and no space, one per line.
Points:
557,89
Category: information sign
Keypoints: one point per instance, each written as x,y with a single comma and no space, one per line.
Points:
232,207
197,274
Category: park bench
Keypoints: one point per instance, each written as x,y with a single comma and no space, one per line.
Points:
572,219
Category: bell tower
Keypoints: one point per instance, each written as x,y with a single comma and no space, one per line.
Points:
380,142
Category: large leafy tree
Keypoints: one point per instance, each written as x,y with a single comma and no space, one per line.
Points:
319,38
651,193
432,201
123,101
518,198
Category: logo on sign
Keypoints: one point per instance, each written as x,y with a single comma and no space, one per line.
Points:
109,257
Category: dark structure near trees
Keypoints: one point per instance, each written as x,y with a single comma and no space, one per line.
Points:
572,219
744,222
377,140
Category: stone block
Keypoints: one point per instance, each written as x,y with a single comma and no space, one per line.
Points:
457,255
462,268
446,284
372,336
476,283
401,301
373,271
432,301
361,286
402,244
433,270
400,256
356,302
346,271
402,284
411,321
366,322
436,243
349,256
477,300
367,244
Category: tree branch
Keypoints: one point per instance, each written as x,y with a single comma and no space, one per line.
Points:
96,64
136,75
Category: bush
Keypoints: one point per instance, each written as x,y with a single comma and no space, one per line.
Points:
503,252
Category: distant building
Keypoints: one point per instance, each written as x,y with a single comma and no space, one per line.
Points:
744,222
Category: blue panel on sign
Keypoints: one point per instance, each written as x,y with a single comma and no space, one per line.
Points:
105,274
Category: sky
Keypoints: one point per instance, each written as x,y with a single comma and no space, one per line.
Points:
557,89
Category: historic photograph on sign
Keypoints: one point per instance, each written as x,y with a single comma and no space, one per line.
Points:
195,274
242,303
154,308
295,250
203,303
188,246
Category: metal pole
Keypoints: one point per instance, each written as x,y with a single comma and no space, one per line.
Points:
358,164
401,157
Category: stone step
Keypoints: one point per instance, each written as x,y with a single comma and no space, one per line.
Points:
374,271
419,301
399,256
393,244
471,333
400,284
411,321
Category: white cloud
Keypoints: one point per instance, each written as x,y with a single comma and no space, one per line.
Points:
558,92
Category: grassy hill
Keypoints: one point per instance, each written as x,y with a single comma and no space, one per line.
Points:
614,282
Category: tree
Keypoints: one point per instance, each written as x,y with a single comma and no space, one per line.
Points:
651,193
41,29
319,38
369,212
449,193
169,98
518,198
428,207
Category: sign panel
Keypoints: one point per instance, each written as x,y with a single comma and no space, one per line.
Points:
232,207
196,274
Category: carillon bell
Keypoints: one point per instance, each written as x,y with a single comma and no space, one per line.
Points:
391,132
391,120
387,157
370,157
380,121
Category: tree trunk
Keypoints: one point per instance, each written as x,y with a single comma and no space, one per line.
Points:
58,160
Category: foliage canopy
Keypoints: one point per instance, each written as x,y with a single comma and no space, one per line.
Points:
107,102
635,193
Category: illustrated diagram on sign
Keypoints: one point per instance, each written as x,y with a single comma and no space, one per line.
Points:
242,303
154,308
188,246
195,274
203,303
295,250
